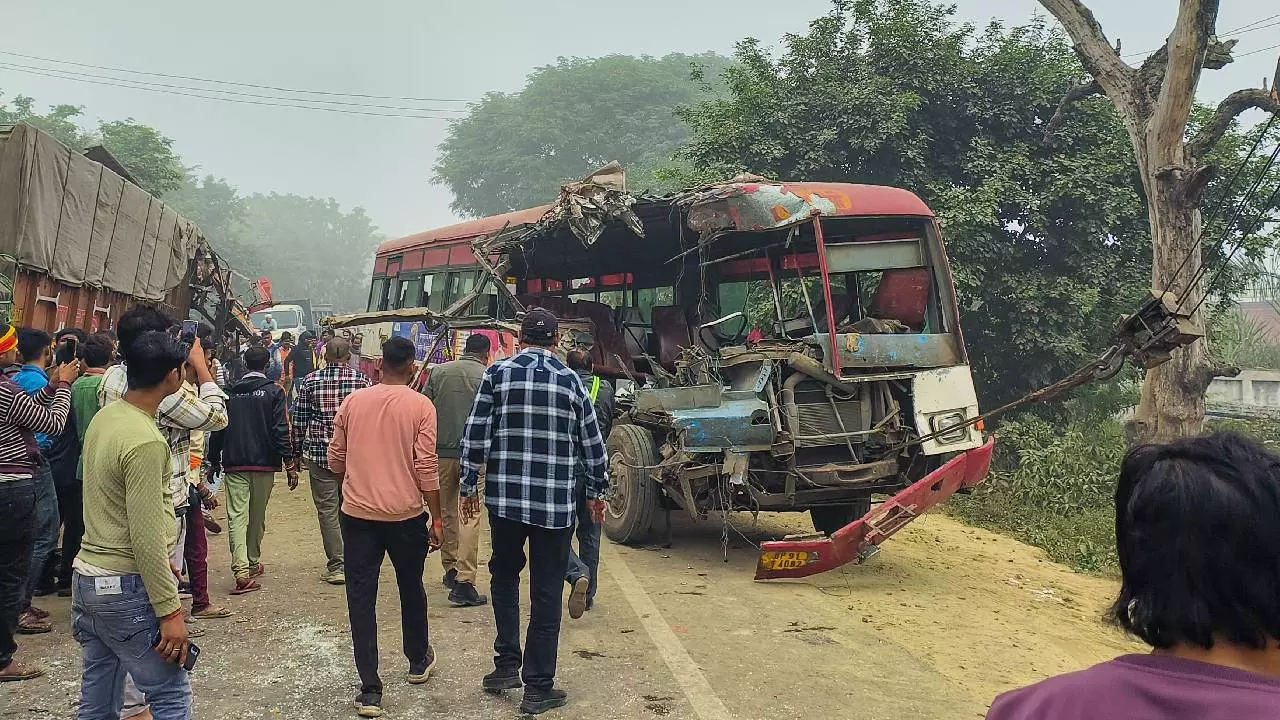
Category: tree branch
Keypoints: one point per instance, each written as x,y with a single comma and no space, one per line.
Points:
1073,96
1187,48
1095,51
1228,110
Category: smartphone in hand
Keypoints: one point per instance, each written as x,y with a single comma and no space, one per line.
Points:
193,652
189,328
66,350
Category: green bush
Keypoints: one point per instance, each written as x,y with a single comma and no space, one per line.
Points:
1053,486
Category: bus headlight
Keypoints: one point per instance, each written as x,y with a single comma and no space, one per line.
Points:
948,427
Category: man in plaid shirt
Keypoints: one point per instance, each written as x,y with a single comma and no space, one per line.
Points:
315,403
530,426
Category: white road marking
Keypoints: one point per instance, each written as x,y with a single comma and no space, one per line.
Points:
688,675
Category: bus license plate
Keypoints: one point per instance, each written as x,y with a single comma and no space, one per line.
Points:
787,560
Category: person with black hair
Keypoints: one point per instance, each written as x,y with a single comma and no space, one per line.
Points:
97,352
452,387
126,591
314,407
250,451
181,413
20,417
1198,538
584,565
384,448
195,542
530,490
36,352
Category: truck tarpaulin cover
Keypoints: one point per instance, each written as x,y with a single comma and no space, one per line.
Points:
66,215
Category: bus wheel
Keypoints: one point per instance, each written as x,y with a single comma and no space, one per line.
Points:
830,518
632,498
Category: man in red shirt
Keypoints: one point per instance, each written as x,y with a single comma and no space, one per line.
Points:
384,448
1198,536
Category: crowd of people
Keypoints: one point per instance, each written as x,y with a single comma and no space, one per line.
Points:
120,442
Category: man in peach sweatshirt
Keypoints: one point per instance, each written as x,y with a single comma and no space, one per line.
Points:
384,449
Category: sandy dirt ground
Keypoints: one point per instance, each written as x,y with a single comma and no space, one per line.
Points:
941,621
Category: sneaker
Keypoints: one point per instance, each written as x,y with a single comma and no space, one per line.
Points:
536,702
502,679
369,704
421,672
450,578
578,597
464,594
334,577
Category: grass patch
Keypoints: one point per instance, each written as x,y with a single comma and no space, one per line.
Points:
1053,486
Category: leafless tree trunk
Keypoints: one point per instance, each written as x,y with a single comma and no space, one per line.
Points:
1154,102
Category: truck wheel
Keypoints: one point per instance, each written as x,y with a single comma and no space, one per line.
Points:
632,498
830,518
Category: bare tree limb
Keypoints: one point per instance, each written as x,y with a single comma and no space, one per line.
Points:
1073,96
1095,51
1228,110
1187,49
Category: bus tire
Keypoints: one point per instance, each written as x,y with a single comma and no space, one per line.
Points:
632,498
830,518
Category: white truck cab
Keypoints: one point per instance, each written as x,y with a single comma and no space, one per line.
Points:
280,319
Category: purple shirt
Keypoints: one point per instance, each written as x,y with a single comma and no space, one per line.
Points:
1145,687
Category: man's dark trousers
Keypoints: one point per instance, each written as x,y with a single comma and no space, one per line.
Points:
548,554
17,535
365,543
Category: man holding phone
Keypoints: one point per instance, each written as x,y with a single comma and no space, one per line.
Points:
125,590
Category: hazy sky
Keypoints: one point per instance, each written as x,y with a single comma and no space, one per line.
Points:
417,48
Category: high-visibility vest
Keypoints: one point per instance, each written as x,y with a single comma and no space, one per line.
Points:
595,388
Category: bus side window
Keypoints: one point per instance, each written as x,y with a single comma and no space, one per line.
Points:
410,292
647,298
439,291
379,294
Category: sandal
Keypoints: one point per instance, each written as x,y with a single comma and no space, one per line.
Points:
246,586
210,612
195,632
13,672
42,614
29,624
258,571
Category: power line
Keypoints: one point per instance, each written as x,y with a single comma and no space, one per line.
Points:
1255,52
1242,30
74,73
227,99
230,82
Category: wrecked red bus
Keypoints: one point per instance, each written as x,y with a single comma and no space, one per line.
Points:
777,347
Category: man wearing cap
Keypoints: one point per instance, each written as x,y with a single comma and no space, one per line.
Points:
531,424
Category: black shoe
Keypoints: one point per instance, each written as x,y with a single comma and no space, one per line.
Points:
502,679
578,597
421,672
464,594
451,579
536,702
369,705
45,590
64,591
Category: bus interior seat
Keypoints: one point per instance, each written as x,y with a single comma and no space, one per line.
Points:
903,295
635,331
843,304
672,328
609,345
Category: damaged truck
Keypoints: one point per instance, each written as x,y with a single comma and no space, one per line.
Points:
778,347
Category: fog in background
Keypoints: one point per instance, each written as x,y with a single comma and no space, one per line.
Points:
422,49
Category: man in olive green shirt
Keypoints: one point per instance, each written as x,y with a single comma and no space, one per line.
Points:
124,586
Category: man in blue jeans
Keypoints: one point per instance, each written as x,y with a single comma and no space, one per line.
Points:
35,352
125,609
584,565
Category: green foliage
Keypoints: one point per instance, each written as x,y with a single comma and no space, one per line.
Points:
309,247
514,150
1053,487
1049,241
1236,340
147,154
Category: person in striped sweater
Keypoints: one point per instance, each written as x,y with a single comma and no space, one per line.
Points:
21,417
